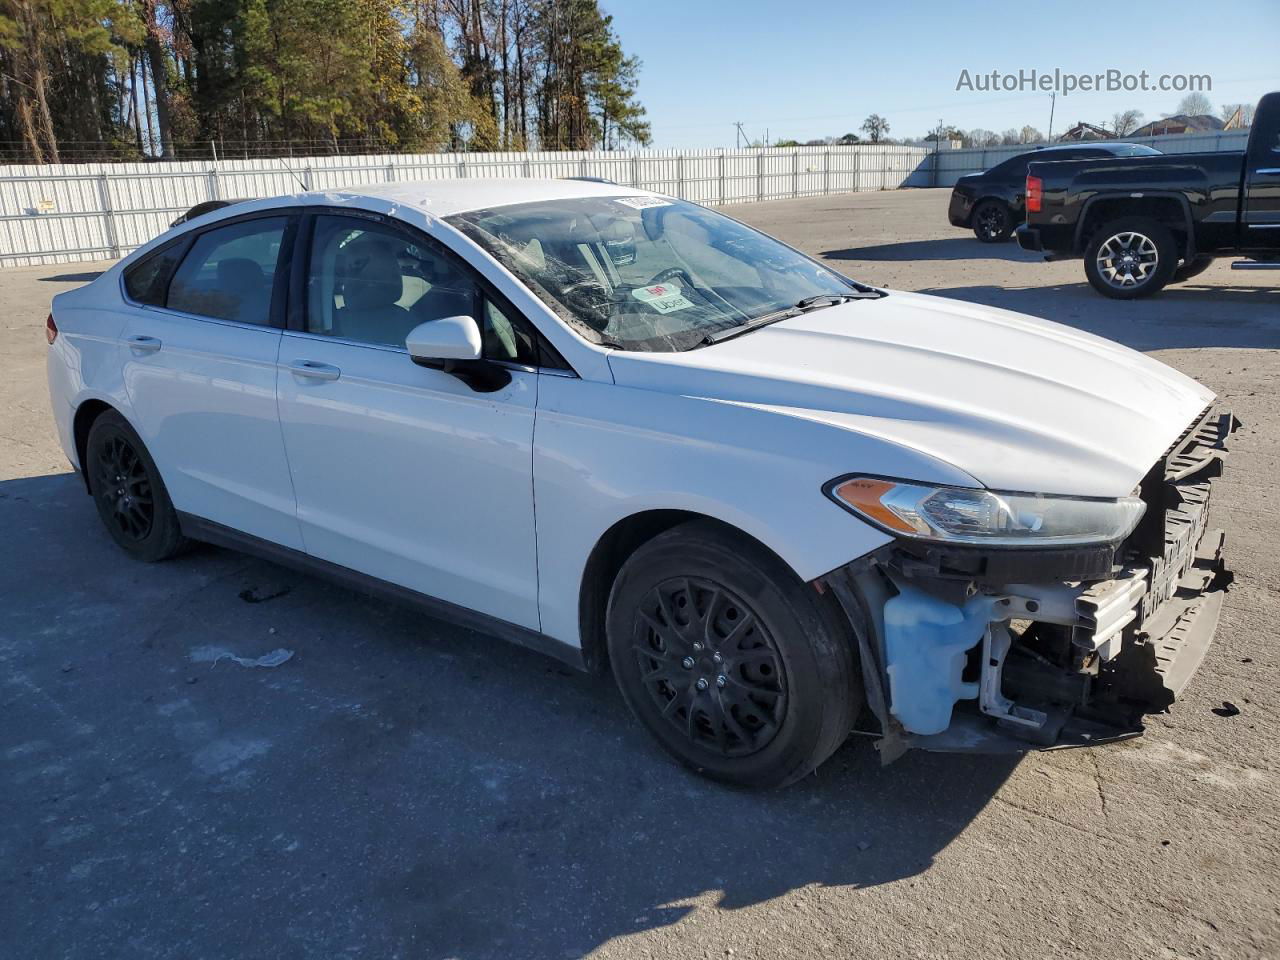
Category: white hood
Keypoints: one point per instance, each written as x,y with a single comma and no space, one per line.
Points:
1016,402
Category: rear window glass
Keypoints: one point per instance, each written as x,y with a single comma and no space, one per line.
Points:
229,272
146,280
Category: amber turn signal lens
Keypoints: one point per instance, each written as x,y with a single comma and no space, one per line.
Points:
50,330
864,493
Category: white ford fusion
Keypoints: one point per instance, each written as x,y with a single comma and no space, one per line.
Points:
626,430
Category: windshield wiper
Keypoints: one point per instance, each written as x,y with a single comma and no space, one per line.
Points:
728,333
801,307
831,299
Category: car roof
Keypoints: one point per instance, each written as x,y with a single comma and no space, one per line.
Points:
1085,145
443,198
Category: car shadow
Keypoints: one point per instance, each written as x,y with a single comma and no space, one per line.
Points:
1181,316
431,789
84,277
949,248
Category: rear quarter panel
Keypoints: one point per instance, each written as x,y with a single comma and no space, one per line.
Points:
85,362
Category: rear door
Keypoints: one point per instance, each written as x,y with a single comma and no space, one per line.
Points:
201,346
403,472
1260,222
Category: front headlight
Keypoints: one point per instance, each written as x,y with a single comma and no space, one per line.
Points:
986,517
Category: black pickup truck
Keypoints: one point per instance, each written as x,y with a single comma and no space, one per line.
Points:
1143,222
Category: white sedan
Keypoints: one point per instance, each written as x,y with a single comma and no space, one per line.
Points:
629,431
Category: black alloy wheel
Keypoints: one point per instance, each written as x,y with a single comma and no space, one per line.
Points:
123,489
128,492
992,222
710,666
738,668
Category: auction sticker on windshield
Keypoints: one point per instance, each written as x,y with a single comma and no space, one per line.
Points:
663,297
640,203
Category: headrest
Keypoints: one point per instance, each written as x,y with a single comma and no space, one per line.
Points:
371,273
240,275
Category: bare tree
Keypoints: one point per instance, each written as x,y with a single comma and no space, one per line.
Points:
1125,122
1195,105
1031,135
875,127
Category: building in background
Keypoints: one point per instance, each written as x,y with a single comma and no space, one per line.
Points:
1180,123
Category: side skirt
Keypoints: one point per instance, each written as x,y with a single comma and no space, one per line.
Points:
197,528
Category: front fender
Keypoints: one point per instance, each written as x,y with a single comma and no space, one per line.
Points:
603,453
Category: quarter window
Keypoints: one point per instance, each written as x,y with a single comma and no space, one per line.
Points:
230,271
146,280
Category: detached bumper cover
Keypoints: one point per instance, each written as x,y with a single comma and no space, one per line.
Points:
1096,653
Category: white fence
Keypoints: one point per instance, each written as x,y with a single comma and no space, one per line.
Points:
67,212
61,213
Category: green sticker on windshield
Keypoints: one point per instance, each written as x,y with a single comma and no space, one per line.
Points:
663,297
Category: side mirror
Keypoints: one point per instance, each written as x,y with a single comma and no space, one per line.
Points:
449,339
452,344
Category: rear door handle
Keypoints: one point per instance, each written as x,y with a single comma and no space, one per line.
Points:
314,370
1268,171
144,344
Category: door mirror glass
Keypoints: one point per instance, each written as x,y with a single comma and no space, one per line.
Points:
449,338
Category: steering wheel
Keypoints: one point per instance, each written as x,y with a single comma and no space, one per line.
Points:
671,272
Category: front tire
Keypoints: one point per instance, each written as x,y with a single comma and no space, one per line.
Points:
1130,257
738,669
128,492
992,221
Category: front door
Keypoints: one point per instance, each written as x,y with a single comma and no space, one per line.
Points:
402,472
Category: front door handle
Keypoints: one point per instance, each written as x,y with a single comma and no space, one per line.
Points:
144,344
314,370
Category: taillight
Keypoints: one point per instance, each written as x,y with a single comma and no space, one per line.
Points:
1035,193
50,330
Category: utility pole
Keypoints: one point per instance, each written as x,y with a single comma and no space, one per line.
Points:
937,146
1053,102
739,136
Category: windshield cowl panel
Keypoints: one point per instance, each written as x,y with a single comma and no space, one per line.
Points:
648,273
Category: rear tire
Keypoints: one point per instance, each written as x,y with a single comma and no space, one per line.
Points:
738,669
1130,257
128,492
1192,268
992,221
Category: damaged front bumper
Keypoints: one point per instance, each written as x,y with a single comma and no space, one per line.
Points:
996,651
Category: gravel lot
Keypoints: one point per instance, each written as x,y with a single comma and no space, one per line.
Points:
405,788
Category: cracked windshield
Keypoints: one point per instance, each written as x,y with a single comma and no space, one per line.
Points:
647,273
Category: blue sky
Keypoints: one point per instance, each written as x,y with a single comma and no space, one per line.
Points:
810,68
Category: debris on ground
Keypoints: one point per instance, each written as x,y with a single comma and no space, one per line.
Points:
1228,709
211,656
252,594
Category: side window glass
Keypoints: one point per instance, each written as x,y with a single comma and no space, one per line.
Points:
146,280
370,283
504,338
229,272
